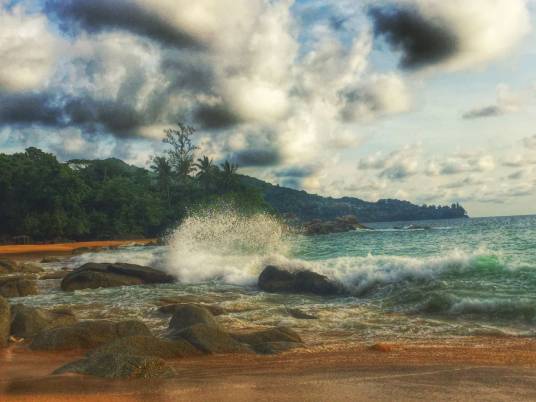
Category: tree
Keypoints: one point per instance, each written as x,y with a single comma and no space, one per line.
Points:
162,168
228,175
181,154
206,171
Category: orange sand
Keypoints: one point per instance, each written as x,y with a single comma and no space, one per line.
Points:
63,248
461,369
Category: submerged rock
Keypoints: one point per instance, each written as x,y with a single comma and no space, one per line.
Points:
274,279
105,275
87,334
301,315
5,321
27,321
54,275
148,346
17,287
48,260
119,366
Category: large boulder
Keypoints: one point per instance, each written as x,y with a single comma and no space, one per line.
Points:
8,266
87,334
17,287
186,315
147,346
27,322
211,339
106,275
5,320
270,341
276,280
119,366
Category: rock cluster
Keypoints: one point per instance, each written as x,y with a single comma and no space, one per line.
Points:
277,280
339,225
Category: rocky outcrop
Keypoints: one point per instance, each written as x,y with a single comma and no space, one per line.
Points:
87,334
270,341
27,322
12,267
190,314
17,287
342,224
119,366
106,275
148,346
300,315
5,321
276,280
211,339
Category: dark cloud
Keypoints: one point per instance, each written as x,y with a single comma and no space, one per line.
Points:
215,117
101,15
29,108
422,41
257,157
488,111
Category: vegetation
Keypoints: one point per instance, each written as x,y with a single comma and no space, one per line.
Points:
48,200
307,207
104,199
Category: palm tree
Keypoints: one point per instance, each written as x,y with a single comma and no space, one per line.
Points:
162,168
228,174
205,170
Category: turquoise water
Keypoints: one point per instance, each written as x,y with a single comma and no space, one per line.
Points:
454,278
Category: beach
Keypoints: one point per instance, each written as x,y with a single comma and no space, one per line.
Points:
486,369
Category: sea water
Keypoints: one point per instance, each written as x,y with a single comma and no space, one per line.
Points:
405,280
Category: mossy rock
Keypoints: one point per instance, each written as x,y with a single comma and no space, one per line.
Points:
5,321
27,321
17,287
212,340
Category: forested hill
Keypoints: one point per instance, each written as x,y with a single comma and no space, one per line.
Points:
306,207
44,199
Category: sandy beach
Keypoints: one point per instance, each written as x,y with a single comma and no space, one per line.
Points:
28,251
479,369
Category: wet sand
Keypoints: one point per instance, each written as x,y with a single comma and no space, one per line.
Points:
461,369
25,251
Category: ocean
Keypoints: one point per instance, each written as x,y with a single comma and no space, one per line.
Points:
405,280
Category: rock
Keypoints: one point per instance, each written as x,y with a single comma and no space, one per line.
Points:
87,334
172,308
341,224
274,279
12,267
105,275
270,341
211,339
148,346
17,287
121,366
27,321
190,314
48,260
54,275
5,321
300,315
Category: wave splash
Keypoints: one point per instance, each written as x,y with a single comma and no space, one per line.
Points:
222,244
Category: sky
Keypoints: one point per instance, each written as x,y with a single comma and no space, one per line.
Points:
431,101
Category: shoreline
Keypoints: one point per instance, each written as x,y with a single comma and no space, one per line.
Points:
35,250
459,369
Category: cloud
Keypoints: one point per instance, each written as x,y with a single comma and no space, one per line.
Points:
395,166
257,157
27,49
530,142
507,102
100,15
462,163
451,35
381,94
